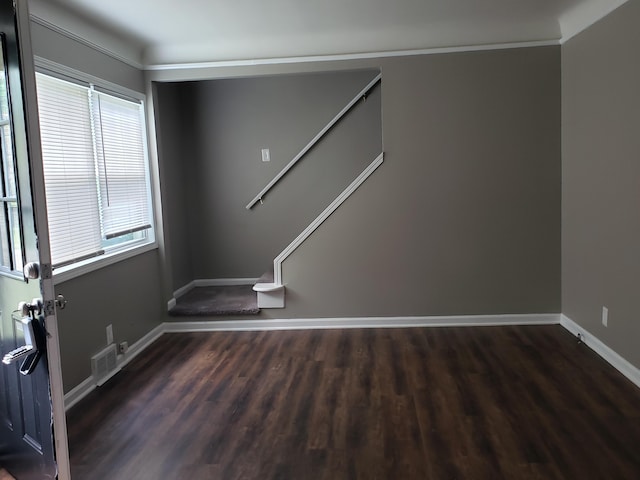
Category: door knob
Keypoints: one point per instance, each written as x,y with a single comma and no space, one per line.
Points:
31,270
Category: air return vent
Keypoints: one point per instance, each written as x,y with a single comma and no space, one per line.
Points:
104,364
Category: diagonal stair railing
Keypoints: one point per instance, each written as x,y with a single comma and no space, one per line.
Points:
362,94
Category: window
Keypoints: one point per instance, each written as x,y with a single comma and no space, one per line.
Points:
10,241
95,171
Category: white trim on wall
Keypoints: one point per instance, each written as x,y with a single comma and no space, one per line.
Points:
591,341
223,282
619,363
129,56
88,385
184,289
346,56
361,322
80,391
340,199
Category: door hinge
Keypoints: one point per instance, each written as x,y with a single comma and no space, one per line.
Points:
49,307
46,271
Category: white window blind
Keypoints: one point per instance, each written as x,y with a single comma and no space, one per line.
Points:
122,175
94,168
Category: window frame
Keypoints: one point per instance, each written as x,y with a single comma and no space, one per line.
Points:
125,250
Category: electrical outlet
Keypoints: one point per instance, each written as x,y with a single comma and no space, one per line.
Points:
123,347
109,334
605,316
266,156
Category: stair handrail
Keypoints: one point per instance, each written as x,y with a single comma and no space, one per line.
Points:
314,140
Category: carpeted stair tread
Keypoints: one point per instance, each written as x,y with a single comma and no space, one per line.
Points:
227,300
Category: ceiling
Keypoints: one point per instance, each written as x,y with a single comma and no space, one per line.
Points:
170,32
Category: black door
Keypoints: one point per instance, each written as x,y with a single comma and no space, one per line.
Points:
26,425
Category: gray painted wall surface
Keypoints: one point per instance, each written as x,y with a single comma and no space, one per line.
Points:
175,142
127,294
464,215
65,51
230,121
601,179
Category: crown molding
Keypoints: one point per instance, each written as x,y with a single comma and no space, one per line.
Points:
346,56
571,23
585,14
77,38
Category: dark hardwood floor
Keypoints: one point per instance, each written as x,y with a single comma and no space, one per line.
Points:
439,403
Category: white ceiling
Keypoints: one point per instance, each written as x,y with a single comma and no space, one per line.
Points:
161,32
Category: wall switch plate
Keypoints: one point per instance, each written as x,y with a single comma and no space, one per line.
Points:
605,316
109,334
266,156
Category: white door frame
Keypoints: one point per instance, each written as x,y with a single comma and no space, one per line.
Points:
40,214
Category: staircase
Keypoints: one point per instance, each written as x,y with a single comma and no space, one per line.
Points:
270,287
216,301
269,290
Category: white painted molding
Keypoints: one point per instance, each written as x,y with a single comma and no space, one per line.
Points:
57,69
140,345
223,282
184,289
346,56
584,14
171,303
77,393
362,322
52,17
619,363
591,341
89,384
277,263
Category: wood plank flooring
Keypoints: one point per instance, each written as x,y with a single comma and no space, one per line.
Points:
440,403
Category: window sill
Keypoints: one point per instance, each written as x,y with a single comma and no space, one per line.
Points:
87,266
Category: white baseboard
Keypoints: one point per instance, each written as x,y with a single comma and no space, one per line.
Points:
138,347
78,392
89,384
223,282
623,366
591,341
184,289
362,322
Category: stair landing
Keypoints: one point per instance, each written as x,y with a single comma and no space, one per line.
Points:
208,301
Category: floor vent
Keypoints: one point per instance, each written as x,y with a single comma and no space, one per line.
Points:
104,364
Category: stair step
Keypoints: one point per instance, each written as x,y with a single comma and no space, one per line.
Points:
267,287
270,294
219,300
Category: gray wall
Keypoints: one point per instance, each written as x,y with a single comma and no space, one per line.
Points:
175,142
218,169
464,215
65,51
127,294
601,179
